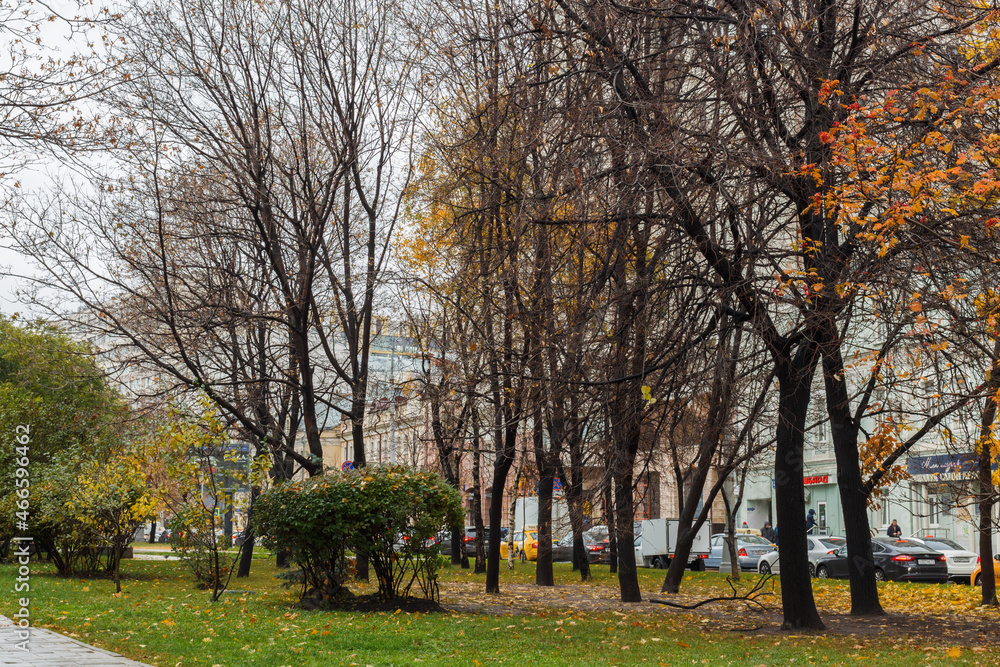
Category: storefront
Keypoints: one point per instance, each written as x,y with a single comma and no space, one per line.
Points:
821,494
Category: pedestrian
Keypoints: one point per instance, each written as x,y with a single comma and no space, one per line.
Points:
767,532
894,530
810,522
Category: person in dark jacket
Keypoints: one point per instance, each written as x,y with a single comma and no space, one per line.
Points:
894,530
810,522
767,532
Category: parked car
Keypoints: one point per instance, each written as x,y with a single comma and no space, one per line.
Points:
961,561
444,539
749,550
599,533
818,547
525,545
895,560
517,538
976,577
597,551
469,540
402,540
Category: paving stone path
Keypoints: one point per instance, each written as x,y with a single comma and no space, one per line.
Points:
50,649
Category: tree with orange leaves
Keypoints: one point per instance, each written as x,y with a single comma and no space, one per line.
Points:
735,119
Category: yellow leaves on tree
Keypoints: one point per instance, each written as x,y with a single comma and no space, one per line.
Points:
112,500
874,453
987,307
112,496
991,443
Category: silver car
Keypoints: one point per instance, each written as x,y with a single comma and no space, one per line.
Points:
818,547
749,547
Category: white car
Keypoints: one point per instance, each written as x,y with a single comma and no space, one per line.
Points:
961,561
819,546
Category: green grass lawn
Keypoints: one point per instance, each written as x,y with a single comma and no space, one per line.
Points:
162,619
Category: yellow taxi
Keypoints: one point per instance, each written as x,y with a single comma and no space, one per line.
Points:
976,580
525,545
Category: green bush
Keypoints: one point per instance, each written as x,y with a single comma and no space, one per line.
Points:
388,514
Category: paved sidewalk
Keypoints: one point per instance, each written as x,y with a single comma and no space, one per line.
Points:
50,649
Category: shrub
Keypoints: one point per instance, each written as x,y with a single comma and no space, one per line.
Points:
84,512
389,514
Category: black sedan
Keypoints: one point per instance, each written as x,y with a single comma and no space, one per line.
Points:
895,560
597,551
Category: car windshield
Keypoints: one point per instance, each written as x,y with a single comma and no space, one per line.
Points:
832,542
752,539
944,545
598,532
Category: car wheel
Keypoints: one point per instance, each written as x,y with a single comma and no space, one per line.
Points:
657,565
822,572
879,574
698,566
979,580
764,568
522,556
812,570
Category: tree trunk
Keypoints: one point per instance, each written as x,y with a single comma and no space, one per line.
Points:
459,554
501,469
987,574
609,517
679,560
477,502
543,565
628,578
853,499
794,387
249,538
730,540
574,502
117,549
500,472
512,512
986,489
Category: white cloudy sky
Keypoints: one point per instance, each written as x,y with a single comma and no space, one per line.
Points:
56,38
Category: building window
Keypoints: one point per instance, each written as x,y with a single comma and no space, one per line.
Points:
647,498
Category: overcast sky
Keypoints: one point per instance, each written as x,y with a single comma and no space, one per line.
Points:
40,173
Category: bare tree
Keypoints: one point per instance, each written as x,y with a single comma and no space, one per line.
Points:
237,248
